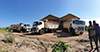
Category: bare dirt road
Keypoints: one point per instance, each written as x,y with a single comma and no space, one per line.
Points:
27,42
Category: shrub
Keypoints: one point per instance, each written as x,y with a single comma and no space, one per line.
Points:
2,28
60,47
9,38
86,28
11,30
7,27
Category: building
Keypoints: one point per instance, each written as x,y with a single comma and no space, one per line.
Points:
50,18
65,18
60,20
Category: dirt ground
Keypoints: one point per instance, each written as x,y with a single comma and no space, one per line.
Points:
27,42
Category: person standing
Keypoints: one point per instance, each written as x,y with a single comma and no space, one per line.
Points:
97,30
91,31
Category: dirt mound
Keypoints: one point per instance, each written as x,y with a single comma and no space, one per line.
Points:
33,45
43,43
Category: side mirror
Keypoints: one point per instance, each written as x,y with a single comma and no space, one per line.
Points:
74,22
45,20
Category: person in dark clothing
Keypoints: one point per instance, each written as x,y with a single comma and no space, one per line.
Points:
97,30
91,31
99,35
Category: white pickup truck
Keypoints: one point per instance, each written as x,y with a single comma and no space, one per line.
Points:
44,26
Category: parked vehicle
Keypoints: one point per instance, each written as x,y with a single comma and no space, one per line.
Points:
74,26
21,27
44,26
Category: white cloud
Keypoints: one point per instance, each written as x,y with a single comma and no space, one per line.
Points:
87,21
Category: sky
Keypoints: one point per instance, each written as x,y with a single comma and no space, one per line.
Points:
28,11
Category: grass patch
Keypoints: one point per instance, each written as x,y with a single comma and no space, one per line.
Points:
1,31
3,46
2,28
9,38
5,51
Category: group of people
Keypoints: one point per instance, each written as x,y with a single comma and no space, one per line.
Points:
94,34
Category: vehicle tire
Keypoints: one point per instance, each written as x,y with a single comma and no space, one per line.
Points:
27,31
24,30
72,31
67,30
41,32
32,33
55,30
49,31
81,33
52,30
46,30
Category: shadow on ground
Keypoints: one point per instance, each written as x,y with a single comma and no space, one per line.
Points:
16,31
64,34
35,33
29,34
32,34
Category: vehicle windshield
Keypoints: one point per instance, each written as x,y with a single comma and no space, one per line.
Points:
27,25
79,22
37,23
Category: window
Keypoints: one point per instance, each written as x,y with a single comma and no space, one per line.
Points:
40,23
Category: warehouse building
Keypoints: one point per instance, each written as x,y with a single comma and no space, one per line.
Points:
50,18
60,20
65,18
